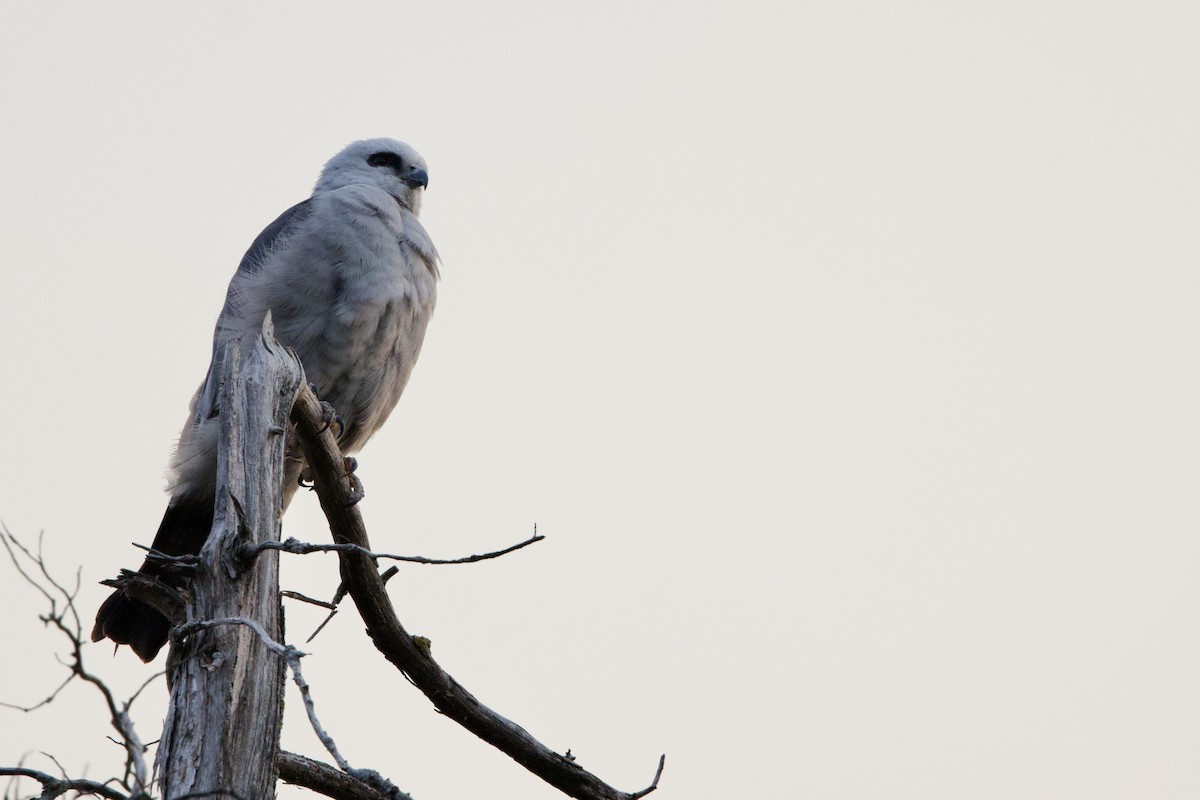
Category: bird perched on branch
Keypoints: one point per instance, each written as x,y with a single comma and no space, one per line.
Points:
350,278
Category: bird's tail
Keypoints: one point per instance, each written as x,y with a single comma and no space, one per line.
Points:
183,530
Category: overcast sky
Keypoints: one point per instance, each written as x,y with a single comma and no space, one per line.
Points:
844,352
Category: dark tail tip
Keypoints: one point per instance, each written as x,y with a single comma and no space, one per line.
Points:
131,622
184,527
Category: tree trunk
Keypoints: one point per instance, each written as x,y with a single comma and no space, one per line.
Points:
221,734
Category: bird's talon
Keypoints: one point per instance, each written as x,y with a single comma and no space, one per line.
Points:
332,420
350,464
357,493
306,478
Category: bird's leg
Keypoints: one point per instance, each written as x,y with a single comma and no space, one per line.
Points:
329,414
334,423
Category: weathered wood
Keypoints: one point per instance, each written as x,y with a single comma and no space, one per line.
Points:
329,781
222,730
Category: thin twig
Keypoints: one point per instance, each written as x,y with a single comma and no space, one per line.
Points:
291,657
49,699
5,539
340,595
136,775
183,563
140,689
297,547
61,770
310,600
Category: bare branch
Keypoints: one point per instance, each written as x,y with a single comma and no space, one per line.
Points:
297,547
9,541
61,769
662,762
326,780
185,564
181,632
166,600
310,600
136,776
49,699
404,651
340,595
53,787
291,656
142,688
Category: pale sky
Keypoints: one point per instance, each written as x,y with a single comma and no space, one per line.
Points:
844,352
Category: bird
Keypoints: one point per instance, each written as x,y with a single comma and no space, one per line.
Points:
349,277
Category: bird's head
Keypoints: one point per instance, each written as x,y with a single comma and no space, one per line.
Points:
386,163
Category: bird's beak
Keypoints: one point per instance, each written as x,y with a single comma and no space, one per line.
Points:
417,177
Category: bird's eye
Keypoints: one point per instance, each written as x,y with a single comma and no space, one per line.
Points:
381,159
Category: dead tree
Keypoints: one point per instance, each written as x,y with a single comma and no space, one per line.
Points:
227,660
225,714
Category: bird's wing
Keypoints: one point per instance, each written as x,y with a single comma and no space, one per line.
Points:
263,244
204,406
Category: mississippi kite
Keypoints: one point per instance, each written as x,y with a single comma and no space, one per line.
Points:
350,278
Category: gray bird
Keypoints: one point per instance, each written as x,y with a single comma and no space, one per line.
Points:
350,278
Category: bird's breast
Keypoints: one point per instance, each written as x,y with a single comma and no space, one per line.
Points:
381,293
